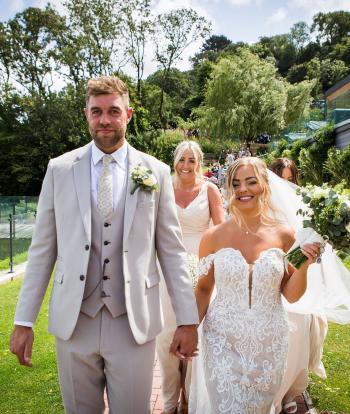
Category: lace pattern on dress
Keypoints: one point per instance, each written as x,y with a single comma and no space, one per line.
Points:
244,347
205,264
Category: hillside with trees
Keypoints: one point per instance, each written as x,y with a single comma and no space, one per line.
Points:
234,91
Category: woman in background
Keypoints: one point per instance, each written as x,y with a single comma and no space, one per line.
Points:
286,169
198,204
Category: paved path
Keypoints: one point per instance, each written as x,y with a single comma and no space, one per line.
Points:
156,397
6,276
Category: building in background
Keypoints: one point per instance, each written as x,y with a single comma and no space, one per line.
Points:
338,110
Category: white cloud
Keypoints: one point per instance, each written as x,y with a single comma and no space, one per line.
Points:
278,16
240,2
312,7
245,2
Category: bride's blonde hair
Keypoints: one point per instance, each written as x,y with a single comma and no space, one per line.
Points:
267,211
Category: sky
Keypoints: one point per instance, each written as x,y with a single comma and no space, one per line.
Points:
239,20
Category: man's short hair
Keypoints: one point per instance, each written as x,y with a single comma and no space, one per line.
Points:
105,85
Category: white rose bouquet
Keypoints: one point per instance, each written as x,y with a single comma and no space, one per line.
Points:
143,178
327,212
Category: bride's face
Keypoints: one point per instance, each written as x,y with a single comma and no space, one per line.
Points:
246,188
187,166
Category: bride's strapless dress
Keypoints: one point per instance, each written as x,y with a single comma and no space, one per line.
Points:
244,337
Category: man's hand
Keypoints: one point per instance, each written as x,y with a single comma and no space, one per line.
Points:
185,341
21,344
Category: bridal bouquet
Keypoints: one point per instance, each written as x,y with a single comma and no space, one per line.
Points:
326,213
192,267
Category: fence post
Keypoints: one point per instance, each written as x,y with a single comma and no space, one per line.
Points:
11,243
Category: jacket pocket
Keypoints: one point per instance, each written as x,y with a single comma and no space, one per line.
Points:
152,280
58,278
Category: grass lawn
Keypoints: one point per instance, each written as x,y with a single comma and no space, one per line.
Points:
27,390
333,394
17,259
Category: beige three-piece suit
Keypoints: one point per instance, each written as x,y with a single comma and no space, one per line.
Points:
105,307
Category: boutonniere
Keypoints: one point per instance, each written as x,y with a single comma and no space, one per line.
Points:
143,178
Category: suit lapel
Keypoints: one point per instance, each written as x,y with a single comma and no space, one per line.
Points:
82,181
134,159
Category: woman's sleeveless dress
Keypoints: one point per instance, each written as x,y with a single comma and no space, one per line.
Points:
244,337
194,220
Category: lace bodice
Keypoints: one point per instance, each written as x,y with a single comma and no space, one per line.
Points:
194,220
232,277
245,332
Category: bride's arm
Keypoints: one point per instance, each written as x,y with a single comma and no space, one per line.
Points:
294,283
205,284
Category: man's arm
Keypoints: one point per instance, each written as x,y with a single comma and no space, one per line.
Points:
41,259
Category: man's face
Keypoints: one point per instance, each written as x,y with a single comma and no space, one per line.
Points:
107,117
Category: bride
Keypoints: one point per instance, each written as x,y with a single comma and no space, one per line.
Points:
245,332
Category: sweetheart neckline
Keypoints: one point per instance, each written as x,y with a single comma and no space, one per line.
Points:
245,260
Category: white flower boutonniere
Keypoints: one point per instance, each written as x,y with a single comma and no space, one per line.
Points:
143,178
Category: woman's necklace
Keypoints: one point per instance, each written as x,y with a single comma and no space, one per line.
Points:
247,230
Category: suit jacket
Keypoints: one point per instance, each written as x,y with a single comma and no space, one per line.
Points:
63,236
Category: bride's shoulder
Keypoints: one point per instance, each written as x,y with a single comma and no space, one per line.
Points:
286,234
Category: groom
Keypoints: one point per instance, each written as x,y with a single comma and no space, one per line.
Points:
105,240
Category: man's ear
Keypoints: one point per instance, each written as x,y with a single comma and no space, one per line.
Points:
129,113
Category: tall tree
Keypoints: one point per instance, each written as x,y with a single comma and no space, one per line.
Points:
245,98
92,43
138,27
299,35
332,27
30,41
174,32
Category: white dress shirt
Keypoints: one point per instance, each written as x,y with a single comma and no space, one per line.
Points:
119,176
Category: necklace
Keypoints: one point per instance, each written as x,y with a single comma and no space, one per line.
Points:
246,230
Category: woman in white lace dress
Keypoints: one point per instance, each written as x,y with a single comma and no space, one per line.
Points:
198,203
244,338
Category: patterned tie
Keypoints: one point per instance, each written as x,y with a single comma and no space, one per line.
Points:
105,188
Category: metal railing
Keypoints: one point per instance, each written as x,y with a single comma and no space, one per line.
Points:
17,219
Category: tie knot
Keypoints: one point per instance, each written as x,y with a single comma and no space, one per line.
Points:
107,159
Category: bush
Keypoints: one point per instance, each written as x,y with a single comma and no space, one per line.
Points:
311,159
164,146
338,165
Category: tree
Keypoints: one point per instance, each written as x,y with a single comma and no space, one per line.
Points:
298,100
138,26
300,35
27,47
174,32
280,47
92,43
211,49
332,27
245,98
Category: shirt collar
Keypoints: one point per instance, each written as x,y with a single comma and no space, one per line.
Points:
119,155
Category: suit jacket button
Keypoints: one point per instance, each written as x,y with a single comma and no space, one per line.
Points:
106,261
87,247
82,277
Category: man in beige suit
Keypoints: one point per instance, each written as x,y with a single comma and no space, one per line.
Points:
105,239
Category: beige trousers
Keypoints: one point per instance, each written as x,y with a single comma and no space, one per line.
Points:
102,353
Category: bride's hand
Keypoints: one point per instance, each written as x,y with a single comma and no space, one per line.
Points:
312,251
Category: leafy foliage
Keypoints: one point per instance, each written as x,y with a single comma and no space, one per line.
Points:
337,165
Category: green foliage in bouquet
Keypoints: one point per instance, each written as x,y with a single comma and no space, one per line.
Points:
328,213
